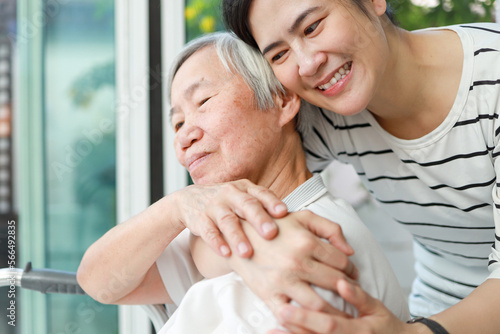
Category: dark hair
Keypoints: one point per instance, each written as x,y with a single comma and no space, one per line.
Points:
235,15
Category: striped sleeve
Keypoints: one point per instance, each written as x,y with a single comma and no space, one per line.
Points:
494,258
486,85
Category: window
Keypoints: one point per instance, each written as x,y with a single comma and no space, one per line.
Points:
67,145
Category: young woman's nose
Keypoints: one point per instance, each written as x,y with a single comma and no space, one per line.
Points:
188,135
309,61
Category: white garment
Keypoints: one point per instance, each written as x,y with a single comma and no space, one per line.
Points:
443,186
226,305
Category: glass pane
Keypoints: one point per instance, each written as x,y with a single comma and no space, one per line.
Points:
202,16
79,130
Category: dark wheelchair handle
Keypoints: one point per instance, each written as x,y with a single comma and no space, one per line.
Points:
50,281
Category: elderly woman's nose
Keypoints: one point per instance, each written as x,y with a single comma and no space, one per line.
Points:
188,135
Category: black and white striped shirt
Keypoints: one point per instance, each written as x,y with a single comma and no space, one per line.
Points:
443,186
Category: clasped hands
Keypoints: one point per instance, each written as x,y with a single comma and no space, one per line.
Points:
279,255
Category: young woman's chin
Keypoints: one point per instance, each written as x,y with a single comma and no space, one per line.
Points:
345,105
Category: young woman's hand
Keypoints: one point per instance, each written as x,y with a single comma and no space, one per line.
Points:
373,317
283,269
214,212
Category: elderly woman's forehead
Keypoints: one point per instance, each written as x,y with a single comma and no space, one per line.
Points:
209,59
204,61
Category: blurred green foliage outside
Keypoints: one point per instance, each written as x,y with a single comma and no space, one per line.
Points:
418,14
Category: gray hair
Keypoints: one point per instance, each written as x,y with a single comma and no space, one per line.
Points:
237,58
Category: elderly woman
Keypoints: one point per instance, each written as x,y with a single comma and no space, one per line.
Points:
233,121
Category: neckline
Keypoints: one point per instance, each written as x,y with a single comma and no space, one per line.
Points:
306,193
454,113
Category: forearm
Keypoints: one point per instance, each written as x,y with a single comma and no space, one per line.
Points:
116,264
477,313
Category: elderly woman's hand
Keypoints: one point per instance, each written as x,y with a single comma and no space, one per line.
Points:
214,213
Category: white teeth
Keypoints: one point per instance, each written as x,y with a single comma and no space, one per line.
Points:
341,74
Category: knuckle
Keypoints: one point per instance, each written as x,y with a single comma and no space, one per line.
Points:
246,182
261,191
292,266
210,235
318,304
343,262
304,242
240,185
274,301
336,229
228,187
249,201
227,220
323,252
305,214
329,325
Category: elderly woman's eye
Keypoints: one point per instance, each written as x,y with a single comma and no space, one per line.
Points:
178,125
202,102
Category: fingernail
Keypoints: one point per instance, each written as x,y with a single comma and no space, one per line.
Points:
280,208
242,248
224,250
268,227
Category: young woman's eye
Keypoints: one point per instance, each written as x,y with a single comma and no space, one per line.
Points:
278,56
310,29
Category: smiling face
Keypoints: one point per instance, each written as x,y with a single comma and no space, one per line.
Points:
220,134
327,51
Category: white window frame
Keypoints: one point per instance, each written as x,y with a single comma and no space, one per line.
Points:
132,117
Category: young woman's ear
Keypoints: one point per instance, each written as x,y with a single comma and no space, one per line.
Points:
289,103
380,6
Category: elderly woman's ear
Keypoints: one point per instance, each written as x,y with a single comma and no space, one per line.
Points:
289,104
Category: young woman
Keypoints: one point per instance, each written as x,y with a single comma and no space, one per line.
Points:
416,114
